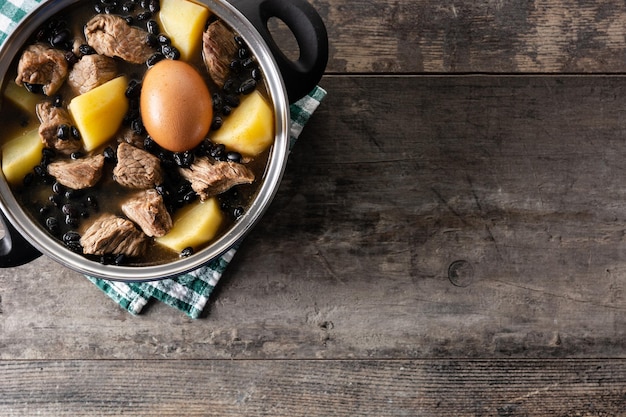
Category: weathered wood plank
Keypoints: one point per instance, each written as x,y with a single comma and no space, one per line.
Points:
520,177
313,388
475,36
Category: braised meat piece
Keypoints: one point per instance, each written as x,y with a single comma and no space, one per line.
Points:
137,168
42,65
90,72
112,36
55,128
148,211
218,50
209,177
113,235
78,174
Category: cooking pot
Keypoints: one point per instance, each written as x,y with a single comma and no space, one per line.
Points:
286,81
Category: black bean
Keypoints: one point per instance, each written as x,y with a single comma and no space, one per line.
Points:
34,88
187,252
120,259
52,224
184,159
152,27
71,221
134,88
235,66
85,49
74,246
248,63
92,201
71,236
99,8
137,126
227,110
217,151
69,210
156,57
248,86
76,155
151,40
61,38
40,171
75,132
154,6
256,74
143,16
232,100
58,188
238,212
217,123
28,179
57,100
229,85
128,7
71,194
243,53
239,40
63,132
109,154
170,52
149,144
233,156
129,20
55,199
163,39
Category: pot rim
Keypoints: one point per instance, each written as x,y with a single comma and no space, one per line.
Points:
272,177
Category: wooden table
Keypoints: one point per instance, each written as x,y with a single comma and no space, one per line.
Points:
449,239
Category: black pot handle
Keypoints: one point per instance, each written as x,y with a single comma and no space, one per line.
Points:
305,23
14,249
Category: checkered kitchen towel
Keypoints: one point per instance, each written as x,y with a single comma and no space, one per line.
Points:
189,292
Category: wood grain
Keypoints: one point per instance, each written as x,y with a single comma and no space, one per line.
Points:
529,36
519,177
314,388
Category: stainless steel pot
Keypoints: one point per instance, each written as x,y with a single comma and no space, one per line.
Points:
286,81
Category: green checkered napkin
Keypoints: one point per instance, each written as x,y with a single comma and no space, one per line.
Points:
189,292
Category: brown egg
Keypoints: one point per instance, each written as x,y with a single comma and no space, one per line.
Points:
176,106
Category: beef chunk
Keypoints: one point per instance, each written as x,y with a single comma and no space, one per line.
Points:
90,72
218,50
137,168
42,65
148,211
110,35
52,121
209,177
78,174
112,235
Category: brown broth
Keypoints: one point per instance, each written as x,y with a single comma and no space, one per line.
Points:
35,197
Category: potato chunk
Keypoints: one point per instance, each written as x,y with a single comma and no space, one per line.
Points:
99,113
194,225
184,21
20,155
21,97
249,129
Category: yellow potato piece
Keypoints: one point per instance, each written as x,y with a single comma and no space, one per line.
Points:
194,225
249,129
20,155
184,21
99,113
21,97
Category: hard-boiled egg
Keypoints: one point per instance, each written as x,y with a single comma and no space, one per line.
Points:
176,106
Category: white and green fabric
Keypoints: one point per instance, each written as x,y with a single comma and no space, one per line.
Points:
189,292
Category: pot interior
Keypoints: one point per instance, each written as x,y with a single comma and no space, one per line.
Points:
29,205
